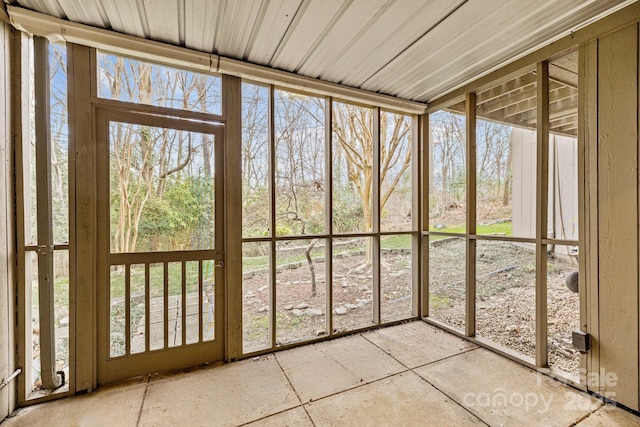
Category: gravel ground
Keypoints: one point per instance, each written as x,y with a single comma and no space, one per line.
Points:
300,315
505,304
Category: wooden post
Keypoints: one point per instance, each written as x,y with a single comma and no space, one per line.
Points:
424,220
542,195
82,299
21,128
328,218
470,300
272,220
232,110
375,212
588,203
416,215
50,380
11,92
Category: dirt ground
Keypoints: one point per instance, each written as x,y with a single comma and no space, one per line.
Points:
505,303
505,297
300,315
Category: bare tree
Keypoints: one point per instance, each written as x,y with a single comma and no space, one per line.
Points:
353,133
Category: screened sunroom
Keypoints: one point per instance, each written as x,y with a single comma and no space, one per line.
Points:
309,211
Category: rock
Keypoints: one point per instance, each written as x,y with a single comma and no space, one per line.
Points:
345,285
288,307
263,288
360,304
263,309
302,306
320,333
351,306
313,312
340,311
297,312
64,321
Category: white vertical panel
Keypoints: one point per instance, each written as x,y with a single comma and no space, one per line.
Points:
524,182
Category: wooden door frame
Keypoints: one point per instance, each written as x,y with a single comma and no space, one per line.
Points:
112,369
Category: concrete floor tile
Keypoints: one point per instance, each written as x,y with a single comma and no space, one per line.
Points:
314,374
502,392
362,358
296,417
115,405
228,395
417,343
401,400
333,366
610,416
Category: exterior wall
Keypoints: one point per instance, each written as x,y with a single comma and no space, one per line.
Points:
609,108
524,182
563,185
7,364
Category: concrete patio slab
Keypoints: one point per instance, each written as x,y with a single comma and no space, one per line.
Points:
323,369
115,405
610,416
417,343
296,417
314,374
502,392
401,400
228,395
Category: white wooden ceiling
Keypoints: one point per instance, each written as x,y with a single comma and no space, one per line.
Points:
411,49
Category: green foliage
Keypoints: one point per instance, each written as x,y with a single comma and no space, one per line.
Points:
178,216
347,210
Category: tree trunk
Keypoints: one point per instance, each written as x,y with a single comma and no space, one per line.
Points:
312,268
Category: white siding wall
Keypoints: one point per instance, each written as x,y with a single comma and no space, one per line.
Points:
563,186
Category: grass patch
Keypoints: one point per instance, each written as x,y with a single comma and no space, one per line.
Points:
400,241
502,228
437,302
